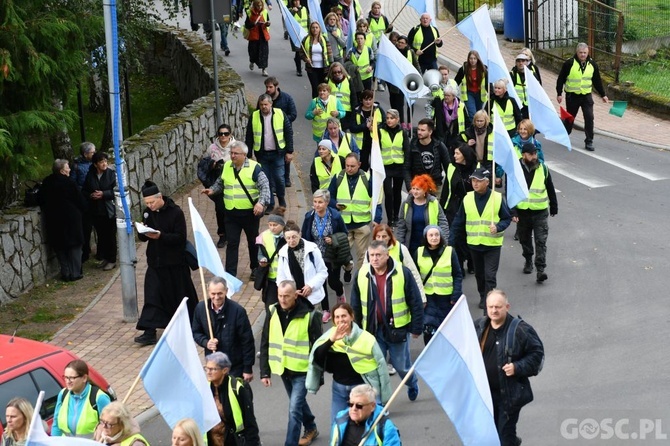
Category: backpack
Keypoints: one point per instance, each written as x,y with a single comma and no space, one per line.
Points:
511,338
92,396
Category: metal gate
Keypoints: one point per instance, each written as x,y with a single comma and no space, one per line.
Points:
460,9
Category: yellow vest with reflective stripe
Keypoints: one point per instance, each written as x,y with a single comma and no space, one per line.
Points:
342,92
234,196
460,115
133,438
359,205
433,211
344,148
277,125
358,137
322,173
538,199
288,350
578,82
269,243
322,41
234,403
362,61
391,148
302,17
441,281
377,26
483,93
477,226
507,115
88,419
359,353
450,174
395,252
399,308
418,38
520,87
319,121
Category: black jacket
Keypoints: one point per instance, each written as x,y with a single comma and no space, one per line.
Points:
245,398
448,134
502,102
232,329
315,330
62,206
527,356
548,184
106,183
565,71
169,249
414,165
459,185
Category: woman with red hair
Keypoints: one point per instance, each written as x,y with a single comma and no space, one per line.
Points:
419,210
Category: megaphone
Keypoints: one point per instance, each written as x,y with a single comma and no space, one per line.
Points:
431,79
413,82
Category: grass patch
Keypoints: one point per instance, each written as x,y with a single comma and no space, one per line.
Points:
645,18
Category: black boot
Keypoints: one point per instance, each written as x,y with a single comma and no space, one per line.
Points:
147,338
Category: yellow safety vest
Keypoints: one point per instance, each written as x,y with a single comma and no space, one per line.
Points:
433,211
395,252
507,114
302,18
358,137
344,148
234,196
288,350
578,82
88,419
342,92
460,115
399,307
377,26
483,93
450,174
391,148
520,87
441,281
307,43
269,243
359,205
489,145
133,438
234,403
538,199
477,225
362,61
359,353
322,172
277,125
319,121
418,38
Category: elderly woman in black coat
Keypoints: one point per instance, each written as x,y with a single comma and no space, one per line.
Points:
62,205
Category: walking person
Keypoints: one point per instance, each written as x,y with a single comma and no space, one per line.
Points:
118,428
474,82
258,22
326,165
394,144
317,55
425,40
579,76
284,102
269,243
18,416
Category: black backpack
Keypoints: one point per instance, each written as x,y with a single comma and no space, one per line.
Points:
511,338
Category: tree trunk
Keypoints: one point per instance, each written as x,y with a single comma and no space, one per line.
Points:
61,145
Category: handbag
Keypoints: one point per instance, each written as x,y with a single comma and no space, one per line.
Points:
262,273
32,193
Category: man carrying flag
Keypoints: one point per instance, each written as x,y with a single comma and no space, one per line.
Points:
508,364
532,213
423,36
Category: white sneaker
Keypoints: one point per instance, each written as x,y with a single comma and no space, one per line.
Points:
391,369
264,72
326,316
381,87
251,66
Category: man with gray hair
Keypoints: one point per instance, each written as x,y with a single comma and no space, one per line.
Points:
354,424
82,164
246,193
580,75
231,329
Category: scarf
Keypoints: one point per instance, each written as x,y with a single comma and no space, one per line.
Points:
296,263
450,115
480,139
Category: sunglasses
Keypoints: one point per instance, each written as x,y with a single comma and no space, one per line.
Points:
224,133
358,406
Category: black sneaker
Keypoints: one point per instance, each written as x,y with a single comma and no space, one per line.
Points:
147,338
221,243
299,74
227,52
252,277
528,267
285,35
541,276
347,276
287,184
482,303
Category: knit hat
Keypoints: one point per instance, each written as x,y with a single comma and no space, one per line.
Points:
149,189
328,144
429,227
275,218
528,147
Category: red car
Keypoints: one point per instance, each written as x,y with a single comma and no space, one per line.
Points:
27,367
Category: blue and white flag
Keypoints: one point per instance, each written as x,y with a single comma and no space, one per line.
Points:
421,6
377,170
296,32
351,37
478,28
315,13
505,155
453,367
38,437
174,379
543,114
208,256
391,66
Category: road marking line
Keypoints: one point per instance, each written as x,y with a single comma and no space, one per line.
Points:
564,170
640,173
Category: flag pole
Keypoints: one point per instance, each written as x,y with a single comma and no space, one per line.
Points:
396,16
302,46
410,372
204,293
132,388
438,37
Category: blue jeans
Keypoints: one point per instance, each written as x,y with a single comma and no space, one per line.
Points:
272,164
299,413
223,27
399,353
474,103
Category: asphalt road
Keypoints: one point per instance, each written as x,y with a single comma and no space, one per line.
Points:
602,314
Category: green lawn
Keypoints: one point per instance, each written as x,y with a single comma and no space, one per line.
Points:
645,18
649,76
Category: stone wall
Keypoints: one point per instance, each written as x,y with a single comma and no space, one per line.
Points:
166,153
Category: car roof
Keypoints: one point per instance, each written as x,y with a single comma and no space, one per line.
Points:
15,351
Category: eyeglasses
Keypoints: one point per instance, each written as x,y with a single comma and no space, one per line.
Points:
70,378
224,133
107,425
358,406
237,153
211,369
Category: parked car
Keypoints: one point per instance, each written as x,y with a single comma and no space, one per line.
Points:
27,367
